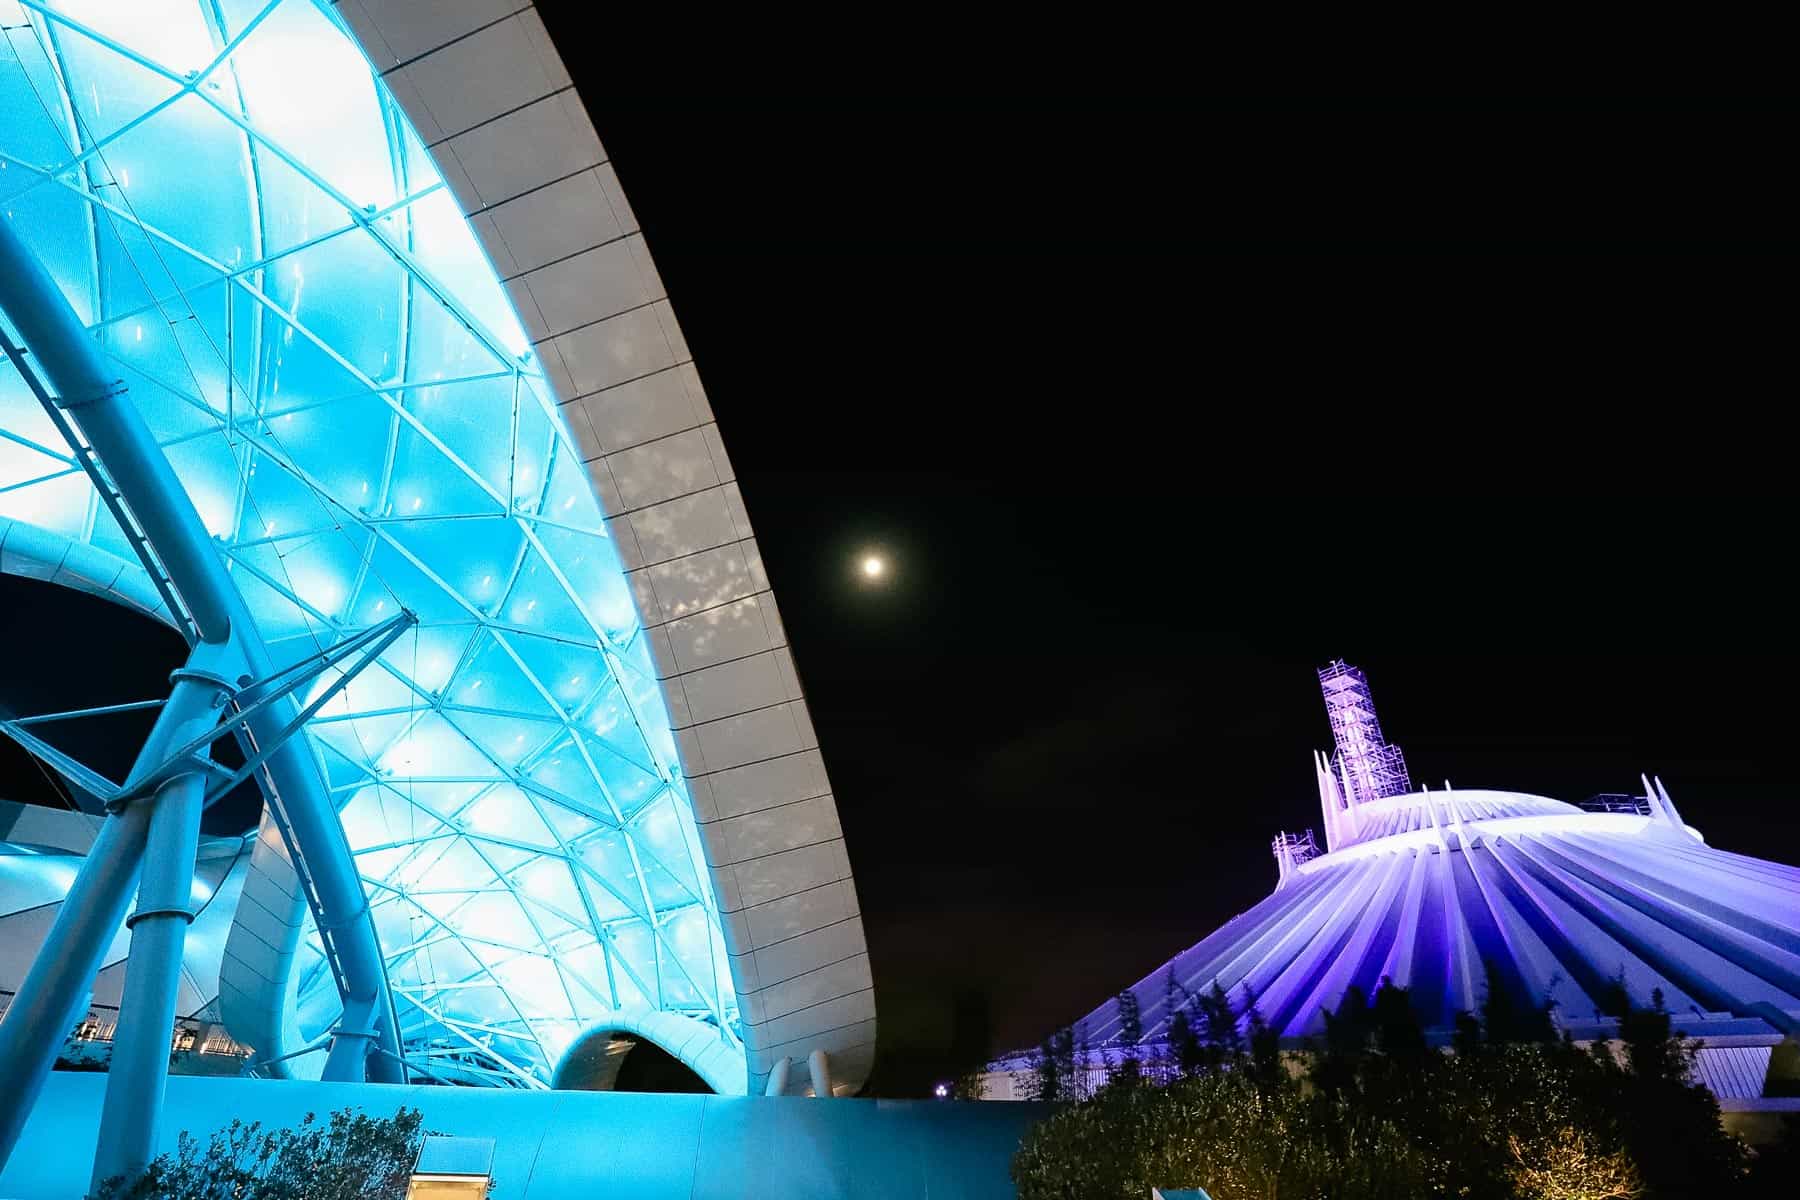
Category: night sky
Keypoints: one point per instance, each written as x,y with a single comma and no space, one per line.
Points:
1157,405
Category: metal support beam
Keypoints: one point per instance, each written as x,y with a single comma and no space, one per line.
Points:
818,1065
139,1069
778,1079
54,994
351,1040
264,695
78,775
138,1072
115,432
48,1004
173,762
134,478
269,695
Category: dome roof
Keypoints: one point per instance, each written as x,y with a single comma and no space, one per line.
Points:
1432,890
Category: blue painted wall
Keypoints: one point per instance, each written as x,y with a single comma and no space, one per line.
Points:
623,1146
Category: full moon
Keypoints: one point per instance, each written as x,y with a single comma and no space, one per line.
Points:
873,566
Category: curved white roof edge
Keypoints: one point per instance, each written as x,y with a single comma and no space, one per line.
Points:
32,552
487,90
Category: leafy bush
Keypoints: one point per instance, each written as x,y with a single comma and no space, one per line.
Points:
1513,1114
1227,1132
1775,1171
350,1157
1567,1165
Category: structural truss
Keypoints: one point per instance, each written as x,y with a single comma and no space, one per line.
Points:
1370,766
266,253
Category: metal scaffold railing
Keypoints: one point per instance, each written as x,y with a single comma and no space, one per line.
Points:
1371,767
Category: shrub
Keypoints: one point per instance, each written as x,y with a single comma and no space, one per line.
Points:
1567,1165
350,1157
1512,1114
1227,1132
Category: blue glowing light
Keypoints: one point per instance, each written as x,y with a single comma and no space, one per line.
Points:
263,246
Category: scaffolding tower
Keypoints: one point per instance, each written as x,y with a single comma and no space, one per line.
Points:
1292,849
1369,766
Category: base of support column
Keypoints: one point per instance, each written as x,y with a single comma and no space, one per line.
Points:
819,1064
778,1079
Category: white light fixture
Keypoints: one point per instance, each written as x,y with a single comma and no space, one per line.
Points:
452,1168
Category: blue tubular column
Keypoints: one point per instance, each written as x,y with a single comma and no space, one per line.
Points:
140,1057
45,1010
35,1027
343,904
227,652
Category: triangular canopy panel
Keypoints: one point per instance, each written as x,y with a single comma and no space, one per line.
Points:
230,196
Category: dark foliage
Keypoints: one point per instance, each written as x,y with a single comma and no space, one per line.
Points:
1054,1074
1775,1171
1264,1049
1242,1137
1510,1112
1131,1032
349,1157
1220,1037
1184,1037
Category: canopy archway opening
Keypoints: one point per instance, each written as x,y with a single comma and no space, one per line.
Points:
617,1060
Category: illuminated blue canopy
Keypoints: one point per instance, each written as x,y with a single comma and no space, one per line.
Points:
231,199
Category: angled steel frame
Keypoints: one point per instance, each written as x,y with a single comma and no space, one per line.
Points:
657,913
249,703
152,826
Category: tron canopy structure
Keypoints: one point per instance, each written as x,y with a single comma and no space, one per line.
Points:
369,288
1434,889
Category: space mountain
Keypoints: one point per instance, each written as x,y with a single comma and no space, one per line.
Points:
1438,891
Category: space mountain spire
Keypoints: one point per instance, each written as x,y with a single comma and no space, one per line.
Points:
1364,767
1448,891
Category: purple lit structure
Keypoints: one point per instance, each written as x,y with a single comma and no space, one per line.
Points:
1432,889
1367,766
1292,849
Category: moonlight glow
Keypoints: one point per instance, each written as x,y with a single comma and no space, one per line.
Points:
873,567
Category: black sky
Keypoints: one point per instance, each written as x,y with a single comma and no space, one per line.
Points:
1161,403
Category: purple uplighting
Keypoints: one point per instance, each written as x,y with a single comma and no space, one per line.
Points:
1371,768
1447,892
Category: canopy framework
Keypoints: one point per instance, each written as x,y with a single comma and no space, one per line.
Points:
329,364
153,822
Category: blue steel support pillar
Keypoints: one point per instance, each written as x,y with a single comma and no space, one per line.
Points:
45,1009
48,1003
139,1068
43,1013
319,835
351,1040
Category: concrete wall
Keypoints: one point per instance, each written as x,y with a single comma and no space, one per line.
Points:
557,1145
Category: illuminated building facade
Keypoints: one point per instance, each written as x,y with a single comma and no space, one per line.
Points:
1434,889
40,851
391,417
